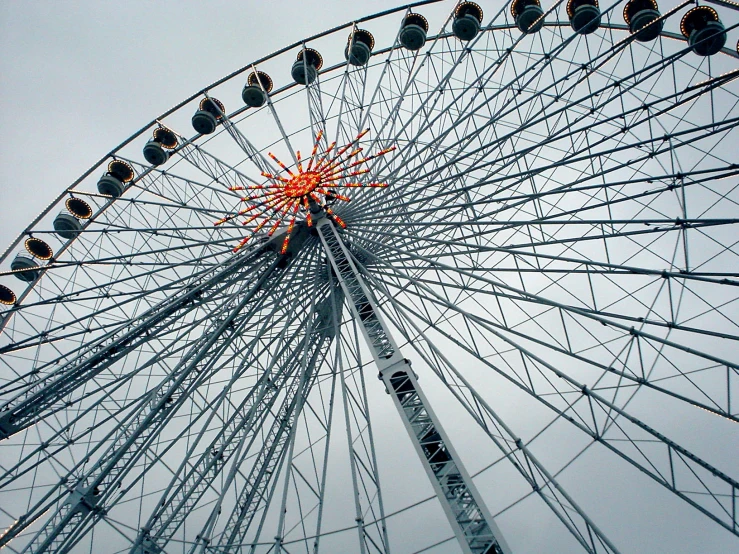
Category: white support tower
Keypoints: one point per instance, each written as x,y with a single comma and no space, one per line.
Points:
470,519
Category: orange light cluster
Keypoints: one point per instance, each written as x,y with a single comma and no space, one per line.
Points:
284,196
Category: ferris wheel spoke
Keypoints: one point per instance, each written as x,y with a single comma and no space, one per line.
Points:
548,138
423,109
252,153
242,525
183,191
453,247
560,257
136,215
98,272
242,522
306,469
550,340
280,126
157,396
676,468
671,226
699,398
587,317
395,86
316,113
563,189
578,155
353,90
326,422
101,354
353,98
81,324
369,506
142,257
426,107
237,433
199,411
161,404
50,399
590,537
143,208
108,408
249,354
433,146
699,178
156,258
213,167
280,447
167,232
388,77
591,230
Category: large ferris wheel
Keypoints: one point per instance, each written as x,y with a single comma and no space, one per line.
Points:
522,219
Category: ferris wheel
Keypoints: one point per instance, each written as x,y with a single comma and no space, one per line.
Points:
447,278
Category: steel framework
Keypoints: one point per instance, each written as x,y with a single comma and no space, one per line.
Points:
555,251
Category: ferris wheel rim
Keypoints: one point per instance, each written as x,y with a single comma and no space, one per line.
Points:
111,155
279,91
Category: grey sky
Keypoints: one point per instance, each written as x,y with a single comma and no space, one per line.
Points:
77,78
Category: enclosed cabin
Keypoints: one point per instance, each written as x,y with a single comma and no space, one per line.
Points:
67,223
157,150
113,183
642,18
257,89
7,296
7,301
209,114
528,15
705,33
467,21
306,67
27,263
359,47
584,16
413,31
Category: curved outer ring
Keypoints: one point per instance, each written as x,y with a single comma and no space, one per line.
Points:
252,66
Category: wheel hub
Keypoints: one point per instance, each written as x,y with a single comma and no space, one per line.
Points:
303,184
290,193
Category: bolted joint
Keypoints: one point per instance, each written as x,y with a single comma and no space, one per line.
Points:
403,364
84,499
8,425
146,545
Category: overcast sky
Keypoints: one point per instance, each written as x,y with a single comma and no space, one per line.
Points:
77,78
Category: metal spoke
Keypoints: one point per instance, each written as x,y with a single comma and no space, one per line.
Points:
544,221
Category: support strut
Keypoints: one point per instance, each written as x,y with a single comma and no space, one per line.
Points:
470,519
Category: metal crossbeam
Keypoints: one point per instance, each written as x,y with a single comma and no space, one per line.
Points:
542,482
308,357
41,398
71,519
234,440
703,486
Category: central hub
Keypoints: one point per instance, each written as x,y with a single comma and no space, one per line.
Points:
284,195
302,184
